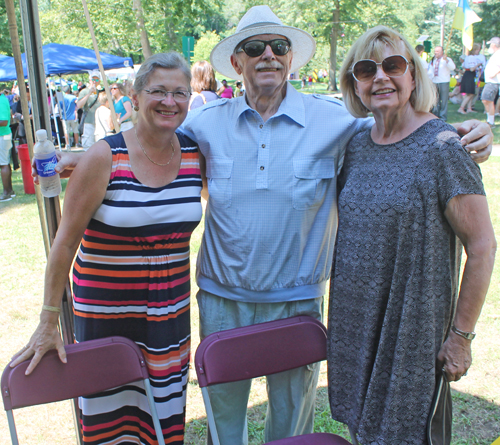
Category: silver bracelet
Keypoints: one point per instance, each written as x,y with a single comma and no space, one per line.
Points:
464,334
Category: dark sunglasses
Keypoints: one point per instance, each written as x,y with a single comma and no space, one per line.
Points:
366,69
255,48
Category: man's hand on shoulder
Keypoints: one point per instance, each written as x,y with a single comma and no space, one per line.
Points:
477,139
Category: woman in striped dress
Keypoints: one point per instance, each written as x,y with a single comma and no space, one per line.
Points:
131,205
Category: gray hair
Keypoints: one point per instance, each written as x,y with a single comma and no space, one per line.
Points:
169,61
495,41
66,89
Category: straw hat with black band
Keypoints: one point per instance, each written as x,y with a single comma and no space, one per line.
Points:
261,20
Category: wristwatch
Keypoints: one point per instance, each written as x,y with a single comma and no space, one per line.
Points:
466,335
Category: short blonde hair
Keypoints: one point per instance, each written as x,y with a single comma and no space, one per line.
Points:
372,44
103,99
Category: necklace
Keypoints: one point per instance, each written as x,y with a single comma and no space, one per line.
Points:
145,154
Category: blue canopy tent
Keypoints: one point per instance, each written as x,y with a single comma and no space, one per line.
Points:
64,59
6,64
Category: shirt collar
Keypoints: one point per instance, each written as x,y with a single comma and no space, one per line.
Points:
292,106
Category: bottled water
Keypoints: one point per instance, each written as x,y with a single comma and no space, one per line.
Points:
46,160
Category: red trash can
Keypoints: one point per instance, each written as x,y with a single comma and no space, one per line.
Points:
24,157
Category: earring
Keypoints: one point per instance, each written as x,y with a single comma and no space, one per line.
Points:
136,108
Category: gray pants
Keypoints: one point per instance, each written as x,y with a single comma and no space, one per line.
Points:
292,394
441,107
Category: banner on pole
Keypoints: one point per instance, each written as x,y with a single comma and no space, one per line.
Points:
463,21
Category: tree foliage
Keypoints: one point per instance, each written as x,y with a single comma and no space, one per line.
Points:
335,24
489,26
5,43
204,45
114,21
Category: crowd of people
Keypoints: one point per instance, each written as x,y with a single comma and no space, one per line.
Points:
295,184
475,79
80,115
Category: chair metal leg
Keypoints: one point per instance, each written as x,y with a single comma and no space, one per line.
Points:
210,417
354,440
154,413
12,427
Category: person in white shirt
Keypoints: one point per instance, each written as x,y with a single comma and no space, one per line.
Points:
103,122
439,72
492,80
473,64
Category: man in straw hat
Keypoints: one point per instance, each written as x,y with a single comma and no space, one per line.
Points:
272,157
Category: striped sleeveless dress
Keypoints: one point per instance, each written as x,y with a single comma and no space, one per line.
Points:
131,278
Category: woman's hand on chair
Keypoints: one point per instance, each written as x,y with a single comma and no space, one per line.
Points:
45,337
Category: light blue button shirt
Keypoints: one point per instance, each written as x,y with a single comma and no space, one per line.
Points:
271,218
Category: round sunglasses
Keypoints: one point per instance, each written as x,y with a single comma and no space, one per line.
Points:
393,66
255,48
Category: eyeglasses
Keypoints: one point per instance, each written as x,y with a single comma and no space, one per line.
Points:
178,96
255,48
113,88
393,66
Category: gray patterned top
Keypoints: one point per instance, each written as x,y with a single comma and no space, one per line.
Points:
395,279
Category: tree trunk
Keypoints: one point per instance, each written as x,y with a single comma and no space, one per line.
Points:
332,81
146,47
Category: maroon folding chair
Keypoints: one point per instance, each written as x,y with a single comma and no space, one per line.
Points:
259,350
93,366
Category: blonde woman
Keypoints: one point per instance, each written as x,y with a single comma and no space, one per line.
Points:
103,122
473,64
409,197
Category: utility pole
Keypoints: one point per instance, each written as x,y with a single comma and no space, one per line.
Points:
442,24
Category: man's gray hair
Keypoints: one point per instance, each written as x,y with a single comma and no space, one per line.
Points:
495,41
66,89
169,61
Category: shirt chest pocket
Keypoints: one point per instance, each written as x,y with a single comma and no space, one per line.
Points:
312,179
220,180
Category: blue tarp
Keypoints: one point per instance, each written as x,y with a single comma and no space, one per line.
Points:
64,59
7,62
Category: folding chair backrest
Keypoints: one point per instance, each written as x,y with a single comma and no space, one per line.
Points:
258,350
92,367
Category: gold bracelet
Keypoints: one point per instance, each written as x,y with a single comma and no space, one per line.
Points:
51,308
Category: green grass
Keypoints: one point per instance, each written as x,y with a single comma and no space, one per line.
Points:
22,261
453,117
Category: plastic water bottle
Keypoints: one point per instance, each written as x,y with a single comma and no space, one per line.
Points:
46,161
